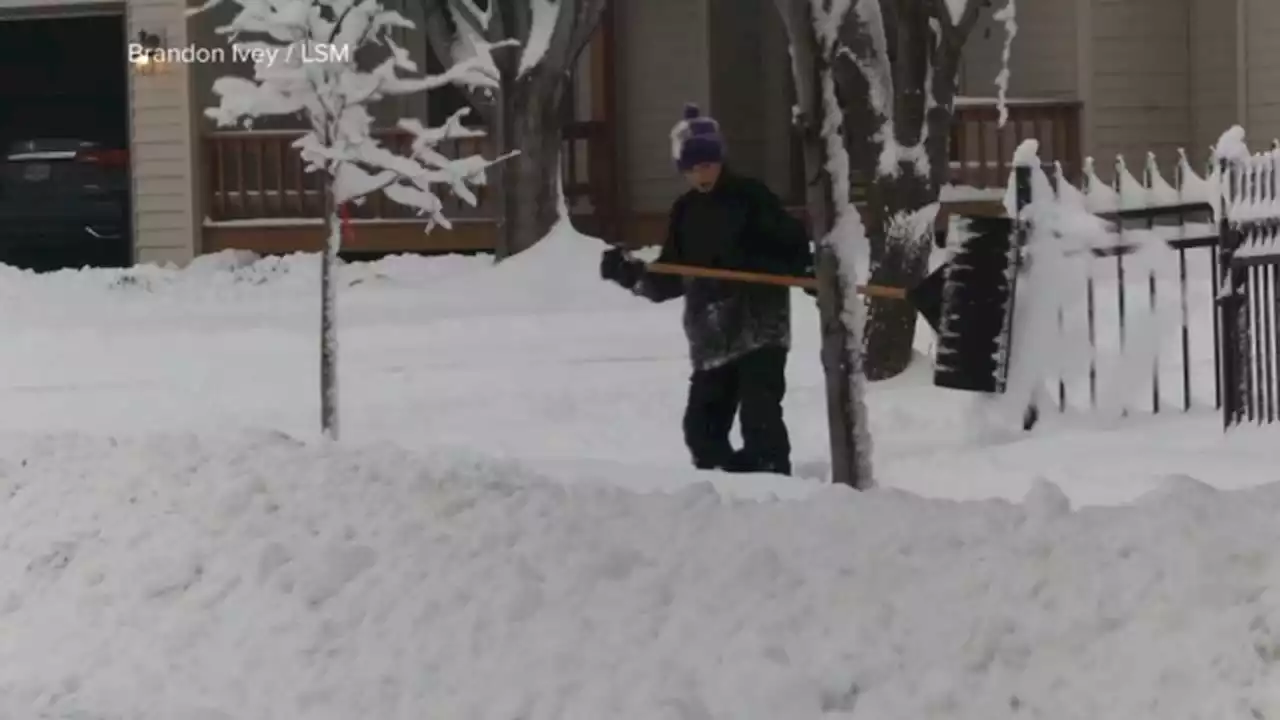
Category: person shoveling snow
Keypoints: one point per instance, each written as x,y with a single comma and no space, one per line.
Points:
739,333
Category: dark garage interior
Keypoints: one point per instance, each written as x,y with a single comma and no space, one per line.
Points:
64,134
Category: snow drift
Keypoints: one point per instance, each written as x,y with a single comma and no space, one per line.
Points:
256,577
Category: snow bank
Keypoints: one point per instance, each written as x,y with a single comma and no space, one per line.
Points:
230,273
259,578
561,273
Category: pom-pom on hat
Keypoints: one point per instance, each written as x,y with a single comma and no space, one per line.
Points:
696,139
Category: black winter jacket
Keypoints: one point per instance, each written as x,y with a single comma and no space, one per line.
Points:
739,225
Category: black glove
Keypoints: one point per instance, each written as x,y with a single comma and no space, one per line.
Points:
616,267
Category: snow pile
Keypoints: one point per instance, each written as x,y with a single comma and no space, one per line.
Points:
561,271
259,578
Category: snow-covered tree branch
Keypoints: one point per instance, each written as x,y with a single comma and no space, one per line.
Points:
305,64
525,113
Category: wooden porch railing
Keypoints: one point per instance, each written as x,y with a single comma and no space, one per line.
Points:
256,175
982,151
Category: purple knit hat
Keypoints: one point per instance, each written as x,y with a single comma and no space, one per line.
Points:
696,139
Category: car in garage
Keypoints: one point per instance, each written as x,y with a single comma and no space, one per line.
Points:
64,203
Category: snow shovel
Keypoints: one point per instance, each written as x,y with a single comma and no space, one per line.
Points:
882,291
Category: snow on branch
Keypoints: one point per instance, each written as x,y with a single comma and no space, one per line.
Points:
874,62
551,32
472,33
957,14
872,59
542,25
1008,15
469,13
304,54
906,57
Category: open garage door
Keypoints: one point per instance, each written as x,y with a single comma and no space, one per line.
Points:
64,139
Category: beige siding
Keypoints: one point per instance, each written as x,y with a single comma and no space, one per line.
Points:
162,143
1214,96
750,87
1141,79
1262,72
664,63
1042,57
776,110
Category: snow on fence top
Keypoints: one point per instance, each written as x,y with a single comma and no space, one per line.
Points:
1189,199
1127,192
1241,186
1250,198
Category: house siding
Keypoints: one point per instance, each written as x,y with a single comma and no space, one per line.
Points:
162,143
665,62
1141,80
1214,90
1042,57
1261,78
750,88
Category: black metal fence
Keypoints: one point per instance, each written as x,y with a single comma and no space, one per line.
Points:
1222,280
1120,283
1250,304
1224,270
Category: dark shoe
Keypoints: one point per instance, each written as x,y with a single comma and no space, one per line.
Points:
715,461
742,462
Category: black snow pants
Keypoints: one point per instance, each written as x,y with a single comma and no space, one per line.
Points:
751,388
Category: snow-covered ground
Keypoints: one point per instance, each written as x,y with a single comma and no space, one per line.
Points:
485,542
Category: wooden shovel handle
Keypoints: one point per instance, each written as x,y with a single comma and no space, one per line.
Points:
881,291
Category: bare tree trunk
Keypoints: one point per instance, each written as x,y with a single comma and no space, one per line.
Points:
525,115
328,321
530,181
850,462
920,45
900,239
901,230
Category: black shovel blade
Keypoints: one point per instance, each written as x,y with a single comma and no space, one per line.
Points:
927,297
